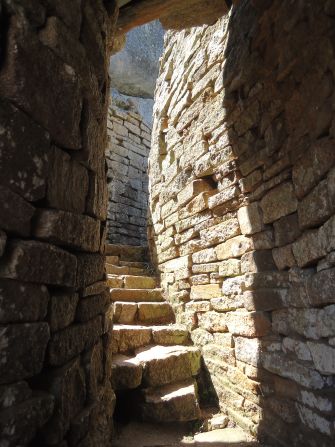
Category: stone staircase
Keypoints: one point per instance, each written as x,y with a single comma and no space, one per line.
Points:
151,354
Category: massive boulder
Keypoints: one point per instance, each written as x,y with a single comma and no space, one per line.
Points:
134,70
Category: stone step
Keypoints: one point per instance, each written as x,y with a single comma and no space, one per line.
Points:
167,364
126,373
127,252
131,282
127,338
170,403
161,365
136,295
114,260
155,313
112,269
138,264
143,313
139,282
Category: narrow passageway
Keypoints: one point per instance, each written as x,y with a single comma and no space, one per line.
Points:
207,139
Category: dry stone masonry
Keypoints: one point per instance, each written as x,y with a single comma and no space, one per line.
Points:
55,334
127,159
241,188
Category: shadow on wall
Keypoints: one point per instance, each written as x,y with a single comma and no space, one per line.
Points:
278,80
267,126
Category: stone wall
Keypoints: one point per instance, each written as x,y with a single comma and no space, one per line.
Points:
127,159
54,324
242,204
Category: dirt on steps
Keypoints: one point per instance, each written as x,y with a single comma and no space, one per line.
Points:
179,435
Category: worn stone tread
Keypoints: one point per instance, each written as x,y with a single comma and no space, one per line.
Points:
174,402
136,295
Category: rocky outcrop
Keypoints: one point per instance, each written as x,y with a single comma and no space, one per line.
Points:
134,69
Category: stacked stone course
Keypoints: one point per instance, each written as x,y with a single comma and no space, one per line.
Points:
242,203
127,159
55,358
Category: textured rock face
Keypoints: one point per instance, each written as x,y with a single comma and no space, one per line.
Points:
242,204
54,335
134,70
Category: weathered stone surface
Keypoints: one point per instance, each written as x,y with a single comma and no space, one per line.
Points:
15,213
38,262
167,364
155,313
3,240
314,421
170,335
134,70
227,302
68,229
205,292
283,366
186,15
124,313
231,267
279,202
315,208
261,280
22,302
312,167
14,394
257,261
90,269
96,204
253,324
286,229
28,160
67,384
177,402
71,341
319,287
70,194
94,305
93,363
248,350
62,310
265,299
309,248
213,321
128,338
250,219
62,112
94,289
23,350
19,424
193,189
283,257
139,282
136,295
206,255
126,373
221,232
234,247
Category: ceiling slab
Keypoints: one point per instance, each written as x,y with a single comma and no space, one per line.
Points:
174,14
